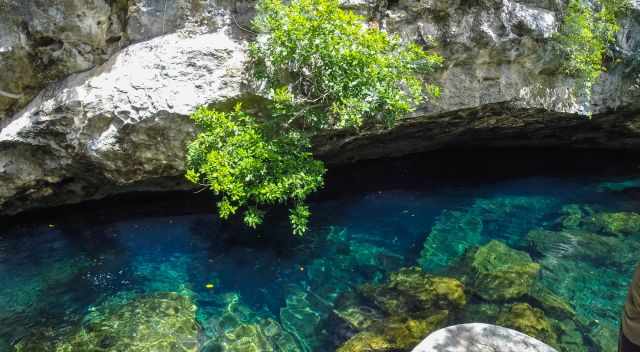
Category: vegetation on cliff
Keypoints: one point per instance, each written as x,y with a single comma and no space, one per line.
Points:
586,36
321,68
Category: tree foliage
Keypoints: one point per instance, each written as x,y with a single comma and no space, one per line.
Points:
586,35
248,166
323,62
321,68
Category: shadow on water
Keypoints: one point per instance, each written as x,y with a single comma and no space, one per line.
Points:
425,172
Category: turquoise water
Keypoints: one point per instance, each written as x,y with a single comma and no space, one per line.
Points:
68,272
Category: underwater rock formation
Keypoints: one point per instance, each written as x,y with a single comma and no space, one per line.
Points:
303,317
25,296
500,273
163,322
607,223
531,321
620,223
459,230
397,314
394,334
234,327
410,290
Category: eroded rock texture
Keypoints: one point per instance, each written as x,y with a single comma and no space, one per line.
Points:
95,94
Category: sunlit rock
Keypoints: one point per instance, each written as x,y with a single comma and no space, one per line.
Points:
501,273
163,322
500,83
137,103
410,290
531,321
394,334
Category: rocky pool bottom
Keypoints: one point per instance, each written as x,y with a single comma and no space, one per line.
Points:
549,254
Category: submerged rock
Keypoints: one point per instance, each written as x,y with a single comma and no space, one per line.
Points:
234,327
478,337
620,223
585,268
410,291
303,317
584,246
550,303
500,273
162,322
394,334
395,315
583,217
452,234
457,231
529,320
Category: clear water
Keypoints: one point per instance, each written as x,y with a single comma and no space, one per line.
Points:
55,271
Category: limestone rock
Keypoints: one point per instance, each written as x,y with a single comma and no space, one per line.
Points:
42,41
113,129
120,124
477,337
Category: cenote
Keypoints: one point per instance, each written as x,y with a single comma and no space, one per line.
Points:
544,242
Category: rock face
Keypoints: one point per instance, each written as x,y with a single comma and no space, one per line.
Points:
476,337
95,94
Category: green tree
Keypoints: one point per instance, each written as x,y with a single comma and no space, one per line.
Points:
586,35
321,68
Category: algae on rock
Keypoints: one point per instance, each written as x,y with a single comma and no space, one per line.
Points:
501,273
397,314
162,322
529,320
411,290
395,334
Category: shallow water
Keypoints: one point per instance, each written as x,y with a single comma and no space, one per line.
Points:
55,272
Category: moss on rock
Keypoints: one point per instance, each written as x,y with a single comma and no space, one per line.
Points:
531,321
618,224
158,322
411,290
500,272
395,334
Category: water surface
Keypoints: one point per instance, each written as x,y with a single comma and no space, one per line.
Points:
58,269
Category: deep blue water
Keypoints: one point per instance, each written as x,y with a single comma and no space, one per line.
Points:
54,270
